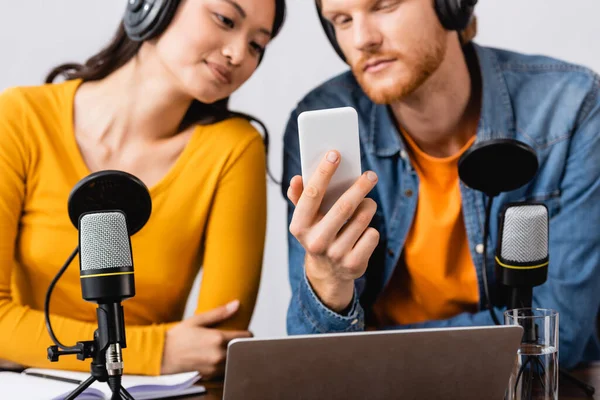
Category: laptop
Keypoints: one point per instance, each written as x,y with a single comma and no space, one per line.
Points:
470,363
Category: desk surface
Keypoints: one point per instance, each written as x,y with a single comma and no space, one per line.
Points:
589,374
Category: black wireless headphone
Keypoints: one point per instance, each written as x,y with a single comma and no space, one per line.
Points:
146,19
454,15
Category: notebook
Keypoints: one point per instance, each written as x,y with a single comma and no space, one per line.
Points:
24,386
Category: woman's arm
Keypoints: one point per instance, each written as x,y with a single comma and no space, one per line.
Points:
235,234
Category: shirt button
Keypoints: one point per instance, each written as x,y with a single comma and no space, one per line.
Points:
390,252
408,192
479,248
403,154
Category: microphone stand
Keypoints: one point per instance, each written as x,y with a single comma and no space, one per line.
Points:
486,234
521,297
478,170
97,350
518,297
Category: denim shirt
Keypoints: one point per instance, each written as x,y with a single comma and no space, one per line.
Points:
552,106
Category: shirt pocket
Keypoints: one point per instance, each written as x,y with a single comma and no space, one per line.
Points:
550,199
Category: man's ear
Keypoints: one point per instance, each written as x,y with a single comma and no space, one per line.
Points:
469,32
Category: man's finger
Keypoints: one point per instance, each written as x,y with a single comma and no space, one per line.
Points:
312,195
358,258
295,189
354,229
345,207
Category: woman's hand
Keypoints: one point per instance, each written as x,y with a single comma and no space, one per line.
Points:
192,345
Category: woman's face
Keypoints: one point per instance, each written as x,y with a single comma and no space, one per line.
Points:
213,46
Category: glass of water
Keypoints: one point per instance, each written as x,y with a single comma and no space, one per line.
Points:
535,373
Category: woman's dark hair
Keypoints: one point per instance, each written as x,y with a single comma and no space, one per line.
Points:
122,49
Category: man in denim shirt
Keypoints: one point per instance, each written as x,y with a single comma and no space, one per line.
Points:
403,247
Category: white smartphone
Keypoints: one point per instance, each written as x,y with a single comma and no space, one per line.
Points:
320,131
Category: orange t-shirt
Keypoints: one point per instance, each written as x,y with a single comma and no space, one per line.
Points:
436,279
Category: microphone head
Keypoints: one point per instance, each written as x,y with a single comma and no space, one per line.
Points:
106,262
525,234
522,252
104,241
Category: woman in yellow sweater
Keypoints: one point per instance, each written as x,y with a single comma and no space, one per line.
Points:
154,104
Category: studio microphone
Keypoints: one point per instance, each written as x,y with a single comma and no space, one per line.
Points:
522,251
106,207
107,278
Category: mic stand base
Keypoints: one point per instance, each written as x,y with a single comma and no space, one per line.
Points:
90,349
121,394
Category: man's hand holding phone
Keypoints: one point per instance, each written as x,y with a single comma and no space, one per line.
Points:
338,244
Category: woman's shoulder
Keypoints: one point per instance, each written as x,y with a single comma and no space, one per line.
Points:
223,144
39,99
230,138
234,130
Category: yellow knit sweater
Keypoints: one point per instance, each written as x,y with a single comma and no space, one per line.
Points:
208,211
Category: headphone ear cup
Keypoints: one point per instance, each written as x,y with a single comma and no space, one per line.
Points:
330,33
455,15
146,19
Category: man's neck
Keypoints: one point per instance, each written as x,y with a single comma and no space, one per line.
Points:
443,114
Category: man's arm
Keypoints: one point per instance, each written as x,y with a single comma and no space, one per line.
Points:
307,313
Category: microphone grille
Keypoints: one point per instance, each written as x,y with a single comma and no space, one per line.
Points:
104,241
525,233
